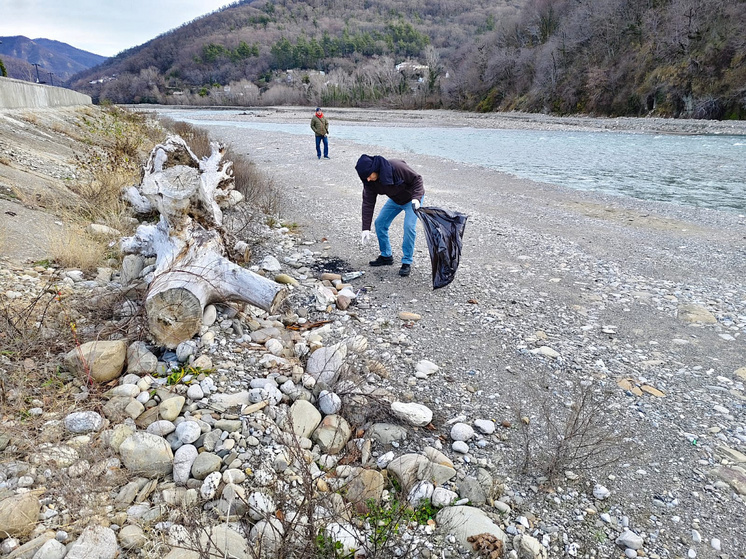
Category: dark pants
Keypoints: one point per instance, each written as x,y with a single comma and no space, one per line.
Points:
318,146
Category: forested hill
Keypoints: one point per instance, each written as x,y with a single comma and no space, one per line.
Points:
683,58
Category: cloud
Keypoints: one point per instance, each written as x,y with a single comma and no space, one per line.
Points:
104,27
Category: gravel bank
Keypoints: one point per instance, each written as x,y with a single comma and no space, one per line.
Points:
624,315
557,290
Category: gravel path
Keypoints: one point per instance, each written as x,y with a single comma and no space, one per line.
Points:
561,295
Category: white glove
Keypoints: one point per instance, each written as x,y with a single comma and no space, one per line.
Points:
416,204
365,237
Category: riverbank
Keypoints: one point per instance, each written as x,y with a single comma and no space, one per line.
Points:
595,343
558,288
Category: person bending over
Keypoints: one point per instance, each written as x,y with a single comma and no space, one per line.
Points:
405,191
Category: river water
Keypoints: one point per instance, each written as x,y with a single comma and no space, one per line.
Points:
705,171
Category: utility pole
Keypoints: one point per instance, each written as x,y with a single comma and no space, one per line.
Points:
36,64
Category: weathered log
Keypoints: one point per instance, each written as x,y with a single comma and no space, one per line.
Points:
191,268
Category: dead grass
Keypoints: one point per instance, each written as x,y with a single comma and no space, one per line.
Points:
31,118
72,247
196,138
259,190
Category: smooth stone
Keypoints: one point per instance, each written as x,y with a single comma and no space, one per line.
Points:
304,418
325,363
442,497
420,493
94,541
184,459
261,505
367,484
132,537
485,426
147,454
329,402
332,434
18,514
412,413
629,539
205,464
188,431
462,432
104,360
209,315
210,484
465,521
83,422
460,446
161,428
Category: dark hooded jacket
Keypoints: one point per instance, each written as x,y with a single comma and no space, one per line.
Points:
396,179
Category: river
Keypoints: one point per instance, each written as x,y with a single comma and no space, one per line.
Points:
697,170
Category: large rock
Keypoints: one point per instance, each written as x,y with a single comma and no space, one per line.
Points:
304,418
406,467
96,542
147,454
695,314
102,360
18,515
140,360
83,422
529,547
367,484
332,434
326,363
464,522
412,413
183,461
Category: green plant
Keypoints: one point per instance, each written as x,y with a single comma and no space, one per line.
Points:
326,547
177,375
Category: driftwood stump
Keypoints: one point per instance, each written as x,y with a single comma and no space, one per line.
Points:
189,242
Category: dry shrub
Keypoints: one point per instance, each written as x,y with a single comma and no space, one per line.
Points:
74,248
31,118
196,138
259,191
584,434
33,334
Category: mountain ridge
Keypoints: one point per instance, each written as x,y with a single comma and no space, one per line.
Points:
62,60
674,58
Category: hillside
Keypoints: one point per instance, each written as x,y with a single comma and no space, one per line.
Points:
605,57
20,53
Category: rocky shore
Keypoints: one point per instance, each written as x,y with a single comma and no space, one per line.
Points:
578,391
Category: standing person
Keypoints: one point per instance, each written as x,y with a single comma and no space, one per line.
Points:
405,190
320,127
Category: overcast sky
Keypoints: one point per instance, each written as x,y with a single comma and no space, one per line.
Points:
104,27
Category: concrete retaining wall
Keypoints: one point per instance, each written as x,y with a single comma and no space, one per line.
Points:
18,94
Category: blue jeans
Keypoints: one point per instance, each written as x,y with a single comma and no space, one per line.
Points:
318,146
387,214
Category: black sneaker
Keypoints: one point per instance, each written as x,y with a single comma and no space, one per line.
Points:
382,261
404,270
326,157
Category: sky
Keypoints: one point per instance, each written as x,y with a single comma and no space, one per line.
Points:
104,27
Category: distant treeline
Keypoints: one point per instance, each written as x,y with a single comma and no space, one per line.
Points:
682,58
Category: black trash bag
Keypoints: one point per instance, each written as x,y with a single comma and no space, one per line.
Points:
444,230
